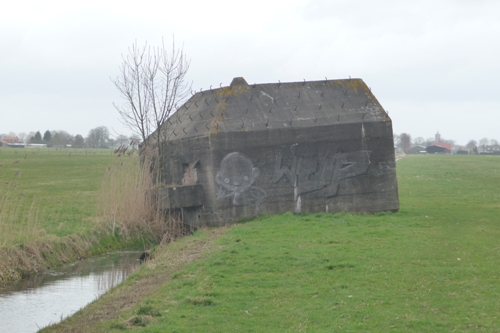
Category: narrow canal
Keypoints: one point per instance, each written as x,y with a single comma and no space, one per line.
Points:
47,298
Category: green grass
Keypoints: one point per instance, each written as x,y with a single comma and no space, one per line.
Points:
49,191
431,267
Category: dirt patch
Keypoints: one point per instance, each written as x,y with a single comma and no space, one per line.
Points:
166,261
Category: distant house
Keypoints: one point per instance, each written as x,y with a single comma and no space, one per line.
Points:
491,149
418,149
442,148
439,147
12,142
36,145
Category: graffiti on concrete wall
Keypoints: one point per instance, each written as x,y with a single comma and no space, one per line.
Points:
308,175
235,178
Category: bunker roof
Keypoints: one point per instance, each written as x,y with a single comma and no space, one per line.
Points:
259,107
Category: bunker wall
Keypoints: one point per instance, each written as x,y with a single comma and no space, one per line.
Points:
344,167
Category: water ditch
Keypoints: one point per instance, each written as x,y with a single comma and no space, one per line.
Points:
47,298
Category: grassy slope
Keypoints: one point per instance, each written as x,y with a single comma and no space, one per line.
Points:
433,266
49,191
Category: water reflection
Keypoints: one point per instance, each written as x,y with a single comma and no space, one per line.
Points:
46,298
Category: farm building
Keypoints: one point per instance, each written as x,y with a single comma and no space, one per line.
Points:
490,149
250,149
418,149
441,148
12,142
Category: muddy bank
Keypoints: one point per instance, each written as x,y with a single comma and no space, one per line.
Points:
150,277
22,260
45,298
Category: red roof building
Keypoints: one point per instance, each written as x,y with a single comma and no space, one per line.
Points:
11,141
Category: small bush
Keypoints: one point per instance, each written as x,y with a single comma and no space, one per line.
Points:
200,301
141,321
148,310
118,326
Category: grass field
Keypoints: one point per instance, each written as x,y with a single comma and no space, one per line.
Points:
48,191
432,267
58,206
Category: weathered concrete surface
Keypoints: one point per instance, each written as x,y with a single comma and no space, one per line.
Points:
175,197
271,148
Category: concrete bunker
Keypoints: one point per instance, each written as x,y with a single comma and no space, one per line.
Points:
244,150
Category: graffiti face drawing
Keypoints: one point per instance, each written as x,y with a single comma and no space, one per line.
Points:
235,178
307,175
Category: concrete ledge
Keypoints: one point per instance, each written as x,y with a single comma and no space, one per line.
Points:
173,197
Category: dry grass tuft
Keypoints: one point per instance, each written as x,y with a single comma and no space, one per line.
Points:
127,203
140,321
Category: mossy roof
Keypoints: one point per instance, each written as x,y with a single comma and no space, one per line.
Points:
262,107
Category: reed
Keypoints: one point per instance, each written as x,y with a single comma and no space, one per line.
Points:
48,209
18,218
127,201
48,191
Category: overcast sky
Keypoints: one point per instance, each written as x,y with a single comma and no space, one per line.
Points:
434,65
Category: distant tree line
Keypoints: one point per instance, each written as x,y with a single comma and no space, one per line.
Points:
98,137
405,142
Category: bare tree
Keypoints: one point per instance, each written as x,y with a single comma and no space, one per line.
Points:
22,136
134,140
471,144
98,137
60,138
429,142
418,140
79,141
395,137
450,141
483,143
122,140
405,142
152,83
